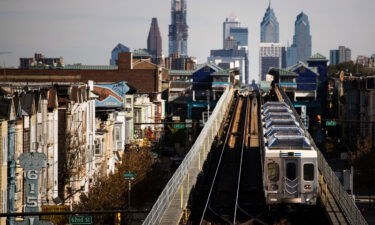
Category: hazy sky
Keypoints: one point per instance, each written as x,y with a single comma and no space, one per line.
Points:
85,31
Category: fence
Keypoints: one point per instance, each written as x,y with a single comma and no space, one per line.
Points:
345,202
203,142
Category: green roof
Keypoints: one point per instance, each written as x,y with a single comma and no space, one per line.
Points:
181,72
317,56
283,72
141,53
89,67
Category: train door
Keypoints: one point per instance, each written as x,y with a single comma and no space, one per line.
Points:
291,180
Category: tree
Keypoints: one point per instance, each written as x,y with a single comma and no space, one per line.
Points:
350,68
111,192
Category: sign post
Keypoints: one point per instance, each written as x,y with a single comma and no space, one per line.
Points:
32,163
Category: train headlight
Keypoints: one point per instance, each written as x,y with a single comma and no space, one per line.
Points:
307,187
273,187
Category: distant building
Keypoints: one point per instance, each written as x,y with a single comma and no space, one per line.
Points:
230,22
230,59
176,62
114,54
269,56
340,55
241,35
178,30
40,60
366,61
334,57
301,47
269,27
154,41
230,43
345,54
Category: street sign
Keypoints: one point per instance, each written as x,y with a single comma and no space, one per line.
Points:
175,118
129,176
331,123
189,123
179,126
80,219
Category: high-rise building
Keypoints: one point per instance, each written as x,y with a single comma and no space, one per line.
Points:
154,44
334,57
345,54
232,58
241,35
269,27
340,55
230,22
114,54
269,56
235,46
178,30
302,38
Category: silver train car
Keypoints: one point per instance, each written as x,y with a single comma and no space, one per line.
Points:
290,168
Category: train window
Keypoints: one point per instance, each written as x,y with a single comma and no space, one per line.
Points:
308,172
273,172
291,171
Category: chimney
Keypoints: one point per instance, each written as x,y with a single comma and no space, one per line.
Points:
125,61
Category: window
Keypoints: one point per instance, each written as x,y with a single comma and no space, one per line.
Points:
291,170
308,172
273,172
117,134
98,147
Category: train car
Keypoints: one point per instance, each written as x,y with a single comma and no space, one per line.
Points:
290,169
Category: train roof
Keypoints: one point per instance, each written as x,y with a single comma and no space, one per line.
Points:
279,116
293,142
275,104
280,122
280,130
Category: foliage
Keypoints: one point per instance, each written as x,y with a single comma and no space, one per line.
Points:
350,68
363,161
111,192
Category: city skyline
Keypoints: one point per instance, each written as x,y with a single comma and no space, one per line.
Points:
26,27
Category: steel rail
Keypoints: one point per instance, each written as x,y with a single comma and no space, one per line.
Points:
219,163
244,137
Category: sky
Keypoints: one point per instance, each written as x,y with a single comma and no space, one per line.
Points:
86,31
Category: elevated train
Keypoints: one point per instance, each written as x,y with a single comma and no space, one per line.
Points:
290,168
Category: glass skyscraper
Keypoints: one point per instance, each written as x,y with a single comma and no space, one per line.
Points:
241,35
302,38
269,27
178,30
230,22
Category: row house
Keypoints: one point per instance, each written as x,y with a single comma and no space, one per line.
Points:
82,129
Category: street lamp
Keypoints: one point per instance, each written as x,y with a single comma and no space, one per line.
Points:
129,176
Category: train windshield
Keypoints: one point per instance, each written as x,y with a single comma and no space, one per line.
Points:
273,172
291,170
308,172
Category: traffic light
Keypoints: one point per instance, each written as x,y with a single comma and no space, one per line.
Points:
319,119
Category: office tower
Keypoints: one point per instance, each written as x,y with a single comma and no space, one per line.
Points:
114,55
178,30
241,35
232,58
230,43
302,38
334,57
230,22
154,44
291,55
269,56
345,54
283,57
269,27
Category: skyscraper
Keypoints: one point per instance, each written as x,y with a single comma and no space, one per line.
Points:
178,30
269,56
230,22
114,54
154,44
241,35
334,57
302,38
269,27
343,54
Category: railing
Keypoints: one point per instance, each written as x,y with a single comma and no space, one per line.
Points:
204,141
345,202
